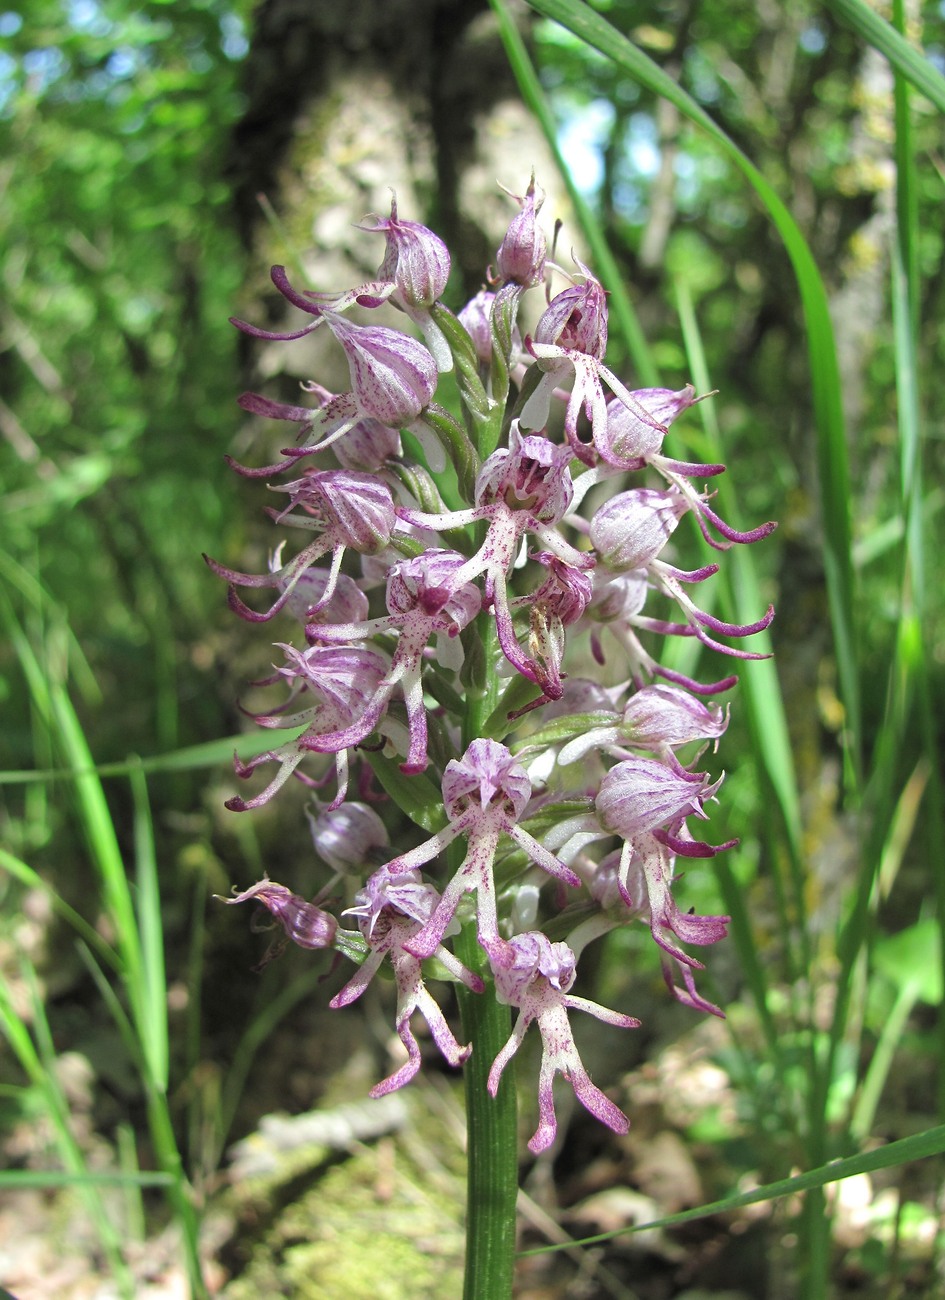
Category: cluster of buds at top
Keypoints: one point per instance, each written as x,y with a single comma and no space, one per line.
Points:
440,623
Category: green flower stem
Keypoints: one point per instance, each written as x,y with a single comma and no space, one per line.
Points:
491,1142
492,1170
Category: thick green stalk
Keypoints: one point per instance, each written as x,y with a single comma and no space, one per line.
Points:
492,1165
491,1143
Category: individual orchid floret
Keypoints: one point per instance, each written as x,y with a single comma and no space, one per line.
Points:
532,476
342,680
569,343
425,597
358,507
677,473
534,975
616,900
393,379
417,263
367,445
616,604
523,489
347,837
304,923
646,803
521,256
557,604
390,910
484,794
348,510
631,438
576,319
630,530
412,276
658,718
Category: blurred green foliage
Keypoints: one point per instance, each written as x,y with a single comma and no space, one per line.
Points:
117,365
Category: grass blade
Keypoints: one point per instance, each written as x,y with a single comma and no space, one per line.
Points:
907,61
833,464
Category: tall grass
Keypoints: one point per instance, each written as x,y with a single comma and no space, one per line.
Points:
127,968
882,806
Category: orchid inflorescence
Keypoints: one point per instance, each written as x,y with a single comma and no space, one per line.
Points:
498,589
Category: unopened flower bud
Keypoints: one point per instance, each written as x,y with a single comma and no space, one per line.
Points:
617,596
393,377
347,604
631,529
521,257
633,433
415,259
344,836
476,320
368,445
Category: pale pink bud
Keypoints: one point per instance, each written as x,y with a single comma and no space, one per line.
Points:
347,604
631,529
345,836
368,445
521,257
393,377
634,432
415,259
617,596
476,320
